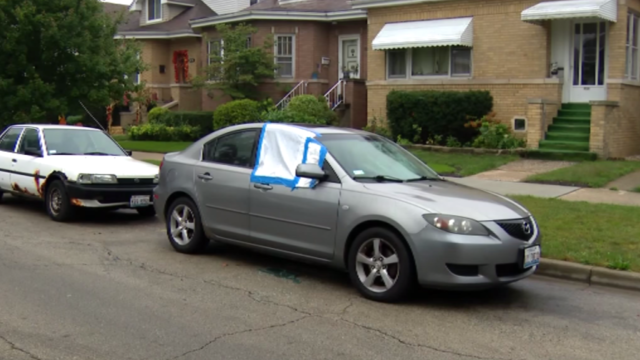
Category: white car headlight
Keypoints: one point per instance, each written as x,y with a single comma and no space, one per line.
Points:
156,179
456,224
97,179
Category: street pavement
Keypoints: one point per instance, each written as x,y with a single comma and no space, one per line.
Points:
111,287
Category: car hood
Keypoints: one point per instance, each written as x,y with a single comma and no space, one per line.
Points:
444,197
120,166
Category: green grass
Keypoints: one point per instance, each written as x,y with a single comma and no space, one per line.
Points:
154,146
593,174
587,233
636,189
462,164
154,162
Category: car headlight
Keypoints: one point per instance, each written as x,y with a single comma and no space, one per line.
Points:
156,179
456,224
97,179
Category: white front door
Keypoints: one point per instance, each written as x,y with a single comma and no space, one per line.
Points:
588,70
349,56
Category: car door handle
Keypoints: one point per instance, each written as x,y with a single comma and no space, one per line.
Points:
263,186
14,160
205,176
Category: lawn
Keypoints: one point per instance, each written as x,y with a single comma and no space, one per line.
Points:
455,164
154,146
154,162
593,174
591,234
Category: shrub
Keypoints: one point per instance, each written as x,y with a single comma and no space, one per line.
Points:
309,106
157,115
495,135
236,112
377,126
161,132
441,113
74,119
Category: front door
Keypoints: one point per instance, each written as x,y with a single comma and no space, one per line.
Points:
589,62
26,177
302,221
349,57
8,144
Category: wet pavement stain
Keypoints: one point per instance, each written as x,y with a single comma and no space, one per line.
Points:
281,273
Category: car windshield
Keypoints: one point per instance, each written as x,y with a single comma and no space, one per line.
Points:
375,158
80,142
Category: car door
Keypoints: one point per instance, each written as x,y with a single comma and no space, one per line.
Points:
8,143
27,159
222,183
302,221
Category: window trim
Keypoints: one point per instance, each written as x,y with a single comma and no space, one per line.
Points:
155,2
215,140
293,55
632,34
409,64
15,146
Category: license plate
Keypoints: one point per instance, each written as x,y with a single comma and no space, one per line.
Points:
531,256
139,201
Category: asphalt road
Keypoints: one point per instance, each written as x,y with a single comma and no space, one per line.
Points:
111,287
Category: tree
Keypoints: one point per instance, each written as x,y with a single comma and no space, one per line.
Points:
55,53
236,68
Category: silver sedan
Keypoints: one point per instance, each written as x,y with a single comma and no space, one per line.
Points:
378,212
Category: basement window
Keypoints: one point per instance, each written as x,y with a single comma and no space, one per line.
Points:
519,124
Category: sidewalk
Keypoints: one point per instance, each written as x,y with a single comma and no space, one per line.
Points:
139,155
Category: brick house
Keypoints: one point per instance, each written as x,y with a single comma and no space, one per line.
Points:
562,73
315,42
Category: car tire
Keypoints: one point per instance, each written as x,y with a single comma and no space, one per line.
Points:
57,202
147,211
194,240
1,196
390,280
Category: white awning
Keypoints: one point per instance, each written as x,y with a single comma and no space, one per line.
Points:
411,34
572,9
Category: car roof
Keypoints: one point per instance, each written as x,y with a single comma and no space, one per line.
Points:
51,126
321,129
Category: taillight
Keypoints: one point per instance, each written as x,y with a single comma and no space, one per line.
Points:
161,162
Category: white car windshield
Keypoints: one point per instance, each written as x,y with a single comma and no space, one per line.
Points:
372,157
80,142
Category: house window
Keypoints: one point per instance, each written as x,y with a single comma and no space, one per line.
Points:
429,61
215,54
249,41
284,55
154,9
633,27
136,80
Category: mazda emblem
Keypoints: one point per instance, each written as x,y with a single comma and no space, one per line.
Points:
136,180
526,227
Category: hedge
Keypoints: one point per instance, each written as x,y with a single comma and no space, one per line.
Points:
236,112
200,119
161,132
430,114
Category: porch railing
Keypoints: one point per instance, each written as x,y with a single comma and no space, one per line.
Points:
335,95
299,89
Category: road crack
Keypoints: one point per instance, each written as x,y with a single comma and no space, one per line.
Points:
226,335
15,347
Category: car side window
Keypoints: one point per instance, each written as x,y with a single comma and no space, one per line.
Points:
234,149
30,141
333,177
9,139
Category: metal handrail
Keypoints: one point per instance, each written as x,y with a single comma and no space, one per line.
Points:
299,89
336,95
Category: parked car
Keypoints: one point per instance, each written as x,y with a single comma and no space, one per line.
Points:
377,212
69,167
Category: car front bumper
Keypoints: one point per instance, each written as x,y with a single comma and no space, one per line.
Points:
106,196
452,261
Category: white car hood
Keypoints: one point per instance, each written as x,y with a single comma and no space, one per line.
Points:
120,166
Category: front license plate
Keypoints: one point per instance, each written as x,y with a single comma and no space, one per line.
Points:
140,201
531,256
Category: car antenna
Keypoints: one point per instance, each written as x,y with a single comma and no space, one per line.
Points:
94,119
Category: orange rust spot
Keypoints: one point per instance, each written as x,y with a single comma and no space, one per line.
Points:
36,178
76,202
17,188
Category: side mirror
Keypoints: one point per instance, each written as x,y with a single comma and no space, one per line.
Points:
129,152
311,171
33,152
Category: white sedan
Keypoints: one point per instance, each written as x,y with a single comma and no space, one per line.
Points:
71,167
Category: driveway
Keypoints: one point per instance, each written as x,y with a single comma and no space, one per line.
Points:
111,287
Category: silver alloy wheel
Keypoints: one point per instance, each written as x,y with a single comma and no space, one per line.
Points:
55,201
182,224
377,265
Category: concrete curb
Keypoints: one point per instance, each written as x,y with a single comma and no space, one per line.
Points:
592,275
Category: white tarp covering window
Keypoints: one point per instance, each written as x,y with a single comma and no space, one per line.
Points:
411,34
572,9
281,149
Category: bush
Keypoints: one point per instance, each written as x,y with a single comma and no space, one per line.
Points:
200,119
289,117
377,126
310,107
495,135
74,119
236,112
441,113
160,132
157,115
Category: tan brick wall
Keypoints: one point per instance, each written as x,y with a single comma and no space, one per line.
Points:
615,130
155,53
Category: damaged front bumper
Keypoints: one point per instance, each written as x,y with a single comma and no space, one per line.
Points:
105,196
